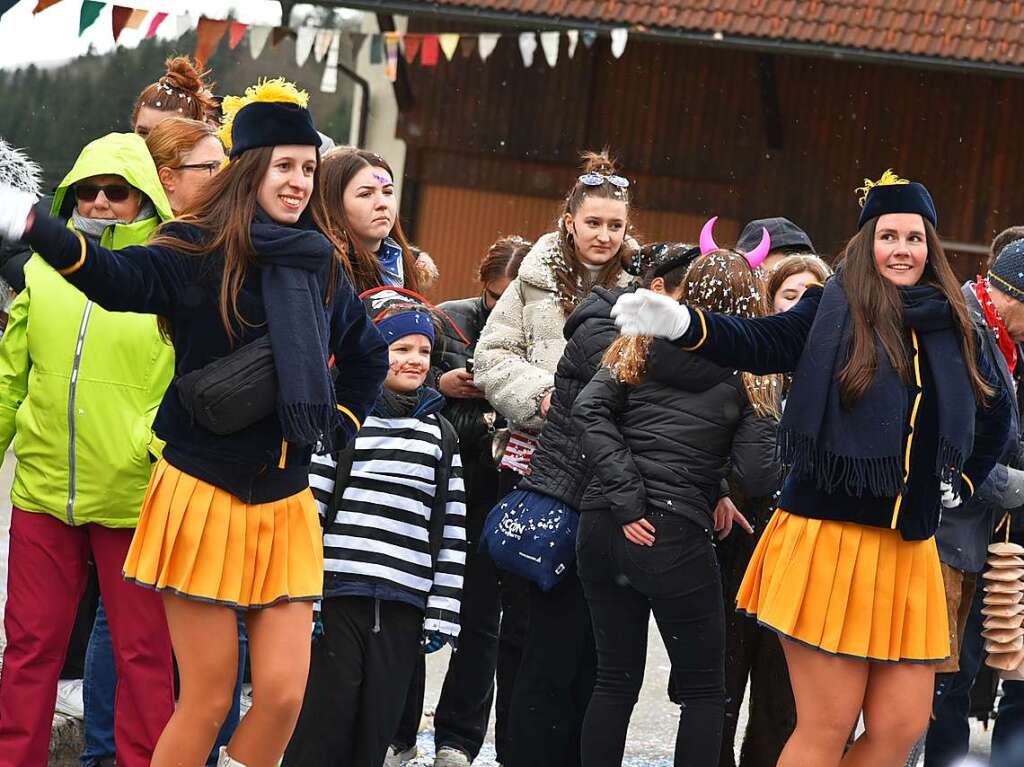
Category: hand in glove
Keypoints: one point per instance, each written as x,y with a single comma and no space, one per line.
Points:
15,207
433,641
950,500
646,313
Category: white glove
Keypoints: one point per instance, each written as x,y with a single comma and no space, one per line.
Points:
949,499
15,206
646,313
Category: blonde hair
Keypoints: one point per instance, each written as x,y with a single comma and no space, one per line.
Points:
174,137
721,281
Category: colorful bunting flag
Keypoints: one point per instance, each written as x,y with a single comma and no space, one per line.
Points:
431,51
184,22
118,19
135,20
377,49
488,42
154,25
549,43
619,37
88,15
236,31
42,5
6,5
322,43
468,46
392,40
449,42
574,38
588,36
304,40
209,33
412,46
278,34
258,37
527,47
329,82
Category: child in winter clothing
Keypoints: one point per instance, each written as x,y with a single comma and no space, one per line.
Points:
393,511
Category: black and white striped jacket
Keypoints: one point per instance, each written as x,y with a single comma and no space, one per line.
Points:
390,533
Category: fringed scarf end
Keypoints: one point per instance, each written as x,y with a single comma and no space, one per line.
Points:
881,477
308,424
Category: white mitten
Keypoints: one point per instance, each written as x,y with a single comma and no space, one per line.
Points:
646,313
15,206
950,500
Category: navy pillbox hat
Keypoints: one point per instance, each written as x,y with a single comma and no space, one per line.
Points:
898,198
272,123
785,235
1007,271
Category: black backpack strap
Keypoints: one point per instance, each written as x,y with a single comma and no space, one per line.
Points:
341,477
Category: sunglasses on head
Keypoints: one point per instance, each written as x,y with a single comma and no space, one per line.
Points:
113,192
597,179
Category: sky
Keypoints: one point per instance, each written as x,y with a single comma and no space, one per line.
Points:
52,36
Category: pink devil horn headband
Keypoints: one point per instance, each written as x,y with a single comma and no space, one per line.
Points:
757,256
707,237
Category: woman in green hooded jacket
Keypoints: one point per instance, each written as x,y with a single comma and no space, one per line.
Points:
79,387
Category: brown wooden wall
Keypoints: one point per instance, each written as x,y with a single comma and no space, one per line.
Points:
700,131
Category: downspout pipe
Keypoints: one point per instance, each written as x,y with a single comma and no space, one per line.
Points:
364,101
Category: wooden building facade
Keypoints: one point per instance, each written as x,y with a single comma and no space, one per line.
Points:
699,130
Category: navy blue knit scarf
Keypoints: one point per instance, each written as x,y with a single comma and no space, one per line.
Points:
861,450
295,264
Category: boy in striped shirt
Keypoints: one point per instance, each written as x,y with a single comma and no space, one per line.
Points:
393,509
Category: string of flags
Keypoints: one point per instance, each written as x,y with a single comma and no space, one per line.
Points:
327,45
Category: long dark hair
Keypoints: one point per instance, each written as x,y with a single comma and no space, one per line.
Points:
572,280
362,266
877,313
224,212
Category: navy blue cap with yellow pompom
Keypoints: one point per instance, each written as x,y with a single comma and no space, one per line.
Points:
892,194
271,113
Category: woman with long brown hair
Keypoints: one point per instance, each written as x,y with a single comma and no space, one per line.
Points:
893,415
362,211
660,449
229,523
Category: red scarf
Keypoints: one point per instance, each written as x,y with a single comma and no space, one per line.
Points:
1006,344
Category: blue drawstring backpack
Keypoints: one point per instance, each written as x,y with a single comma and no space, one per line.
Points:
531,535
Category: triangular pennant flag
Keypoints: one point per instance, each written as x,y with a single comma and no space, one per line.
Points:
412,46
329,82
88,15
6,5
236,31
184,24
449,42
392,40
304,40
468,46
377,49
619,37
118,18
574,37
154,25
278,34
588,36
209,33
488,42
527,47
431,51
135,20
549,43
258,37
322,43
42,5
358,38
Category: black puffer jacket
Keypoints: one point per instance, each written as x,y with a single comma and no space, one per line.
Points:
557,467
469,416
668,446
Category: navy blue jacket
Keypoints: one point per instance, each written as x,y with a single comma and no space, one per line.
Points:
774,344
255,464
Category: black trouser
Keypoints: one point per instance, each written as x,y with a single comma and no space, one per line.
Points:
358,679
464,708
555,679
678,580
754,652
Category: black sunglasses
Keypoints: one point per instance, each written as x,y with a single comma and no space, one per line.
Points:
209,167
113,192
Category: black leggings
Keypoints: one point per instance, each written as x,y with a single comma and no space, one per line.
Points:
678,580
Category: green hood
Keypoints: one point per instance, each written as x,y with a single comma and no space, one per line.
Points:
121,154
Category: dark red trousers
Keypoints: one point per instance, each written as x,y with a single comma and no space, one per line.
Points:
45,579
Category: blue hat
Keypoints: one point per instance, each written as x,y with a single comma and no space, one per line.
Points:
407,323
892,194
1007,270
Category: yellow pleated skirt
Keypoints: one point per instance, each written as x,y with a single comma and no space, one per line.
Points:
848,589
202,543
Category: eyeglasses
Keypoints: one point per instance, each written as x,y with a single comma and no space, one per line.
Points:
209,167
113,192
597,179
